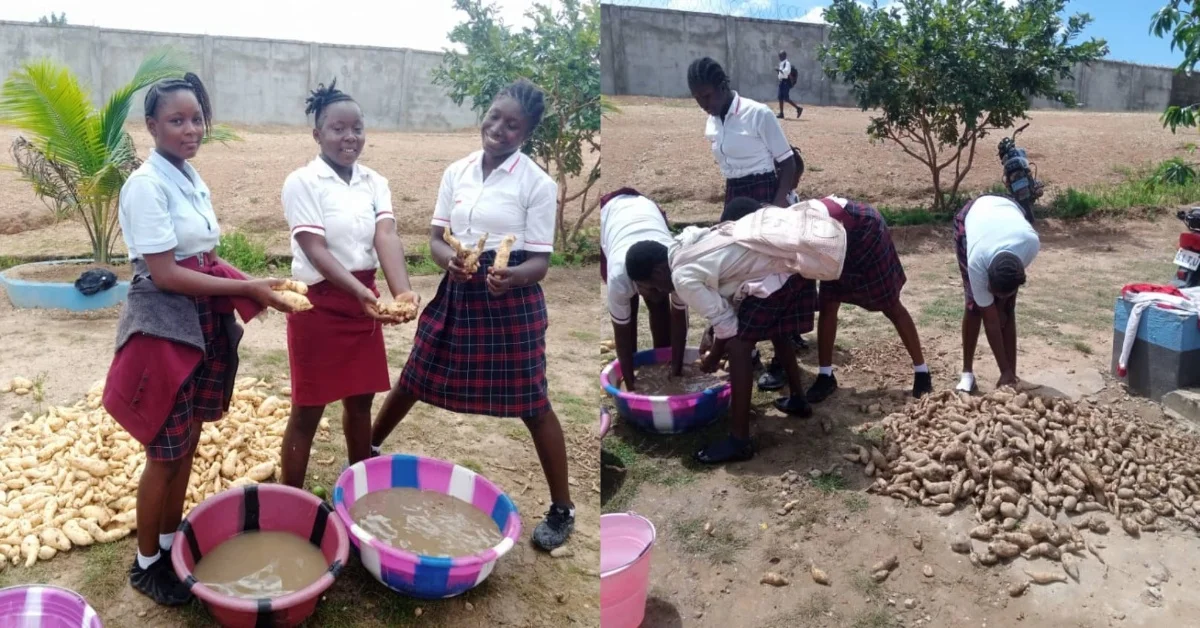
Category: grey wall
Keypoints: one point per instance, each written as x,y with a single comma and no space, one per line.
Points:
646,52
252,81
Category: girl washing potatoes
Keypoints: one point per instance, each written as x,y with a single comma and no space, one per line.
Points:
480,346
343,229
177,340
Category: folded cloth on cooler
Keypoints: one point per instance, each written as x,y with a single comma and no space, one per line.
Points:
1142,296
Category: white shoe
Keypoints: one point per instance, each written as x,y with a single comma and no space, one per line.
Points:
966,383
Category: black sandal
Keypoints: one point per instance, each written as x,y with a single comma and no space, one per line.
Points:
729,450
795,405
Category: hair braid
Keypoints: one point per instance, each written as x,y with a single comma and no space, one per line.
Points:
706,71
321,97
1006,273
190,82
531,99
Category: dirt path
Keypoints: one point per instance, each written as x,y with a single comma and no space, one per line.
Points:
66,353
1065,318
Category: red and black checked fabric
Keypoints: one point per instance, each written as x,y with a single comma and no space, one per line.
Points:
604,201
872,276
960,251
787,312
480,354
201,398
760,187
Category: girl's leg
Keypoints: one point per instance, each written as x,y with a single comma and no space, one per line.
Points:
741,379
297,444
660,322
157,507
795,404
552,452
395,408
903,322
356,425
827,324
172,512
971,323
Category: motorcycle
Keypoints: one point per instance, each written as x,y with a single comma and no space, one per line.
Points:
1020,175
1187,258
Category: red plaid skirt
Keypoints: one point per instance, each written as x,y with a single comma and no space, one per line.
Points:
960,251
335,350
201,398
872,276
787,312
604,201
479,354
760,187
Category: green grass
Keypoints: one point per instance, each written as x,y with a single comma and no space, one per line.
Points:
248,255
875,436
941,311
866,584
829,483
585,336
856,502
104,570
268,363
720,547
874,619
639,469
472,465
7,262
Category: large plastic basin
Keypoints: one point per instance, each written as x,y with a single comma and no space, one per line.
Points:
665,414
43,606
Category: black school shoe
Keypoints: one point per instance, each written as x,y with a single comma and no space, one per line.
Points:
159,583
822,388
794,406
555,529
922,384
774,378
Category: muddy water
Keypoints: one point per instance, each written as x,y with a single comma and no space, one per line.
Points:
261,564
425,522
655,379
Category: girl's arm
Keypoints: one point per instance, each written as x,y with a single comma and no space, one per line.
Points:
171,277
539,242
390,250
445,256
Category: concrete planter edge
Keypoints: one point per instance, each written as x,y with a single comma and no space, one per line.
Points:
26,294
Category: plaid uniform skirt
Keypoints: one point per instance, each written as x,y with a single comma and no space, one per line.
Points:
872,276
787,312
480,354
201,398
960,251
604,201
760,187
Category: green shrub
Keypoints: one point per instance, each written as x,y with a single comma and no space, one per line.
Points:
1074,204
1173,172
247,255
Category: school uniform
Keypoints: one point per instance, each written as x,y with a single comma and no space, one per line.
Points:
748,145
872,276
627,218
984,228
741,292
176,356
335,350
473,352
785,80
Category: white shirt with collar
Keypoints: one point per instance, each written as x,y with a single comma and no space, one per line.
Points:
715,284
785,69
161,208
624,221
316,200
749,140
518,198
996,225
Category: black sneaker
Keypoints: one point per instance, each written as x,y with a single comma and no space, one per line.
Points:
774,378
822,388
780,116
922,384
799,111
159,583
799,343
555,529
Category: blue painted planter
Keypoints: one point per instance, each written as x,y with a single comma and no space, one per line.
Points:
58,296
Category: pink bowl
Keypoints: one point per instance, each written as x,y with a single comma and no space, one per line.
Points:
43,606
664,414
268,507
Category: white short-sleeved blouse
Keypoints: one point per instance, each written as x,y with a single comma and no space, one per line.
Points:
160,208
519,198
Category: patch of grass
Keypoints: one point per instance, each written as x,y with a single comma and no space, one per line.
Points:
397,356
1075,204
248,255
585,336
1082,347
856,502
472,465
874,619
104,570
866,584
270,362
639,469
721,547
875,436
7,262
943,310
829,483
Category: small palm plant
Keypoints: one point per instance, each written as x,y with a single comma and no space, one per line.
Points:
75,155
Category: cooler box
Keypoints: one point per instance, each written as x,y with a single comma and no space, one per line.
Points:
1166,354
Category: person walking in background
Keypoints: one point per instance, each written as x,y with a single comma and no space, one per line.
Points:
342,231
480,346
177,333
787,80
627,217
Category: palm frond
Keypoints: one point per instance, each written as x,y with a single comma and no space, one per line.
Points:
221,133
44,99
163,64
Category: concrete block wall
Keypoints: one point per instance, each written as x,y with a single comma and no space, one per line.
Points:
646,52
252,81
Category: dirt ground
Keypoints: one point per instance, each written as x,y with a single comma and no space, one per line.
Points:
246,178
657,146
65,353
1065,335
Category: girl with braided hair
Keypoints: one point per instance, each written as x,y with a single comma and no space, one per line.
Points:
177,340
342,231
480,346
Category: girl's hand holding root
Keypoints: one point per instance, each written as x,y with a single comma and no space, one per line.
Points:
499,281
403,308
270,293
457,270
711,362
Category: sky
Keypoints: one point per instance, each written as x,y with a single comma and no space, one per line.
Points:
1125,24
393,24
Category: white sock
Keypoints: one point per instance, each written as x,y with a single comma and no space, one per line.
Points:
145,561
825,370
966,383
921,368
165,541
376,451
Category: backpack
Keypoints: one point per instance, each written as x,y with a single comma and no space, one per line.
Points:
793,76
804,239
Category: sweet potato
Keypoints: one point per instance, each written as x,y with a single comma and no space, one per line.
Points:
298,302
504,251
291,285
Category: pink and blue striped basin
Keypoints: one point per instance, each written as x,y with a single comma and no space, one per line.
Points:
416,575
45,607
663,414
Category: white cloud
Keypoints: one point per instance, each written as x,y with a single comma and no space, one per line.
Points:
815,15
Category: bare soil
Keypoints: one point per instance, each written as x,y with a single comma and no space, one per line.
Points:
66,273
657,146
246,178
1065,334
65,353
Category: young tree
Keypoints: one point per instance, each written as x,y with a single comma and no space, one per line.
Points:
53,20
941,74
1181,20
560,52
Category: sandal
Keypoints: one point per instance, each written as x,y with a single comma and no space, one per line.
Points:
795,405
729,450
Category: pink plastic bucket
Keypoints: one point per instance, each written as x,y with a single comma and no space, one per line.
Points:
45,607
626,543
